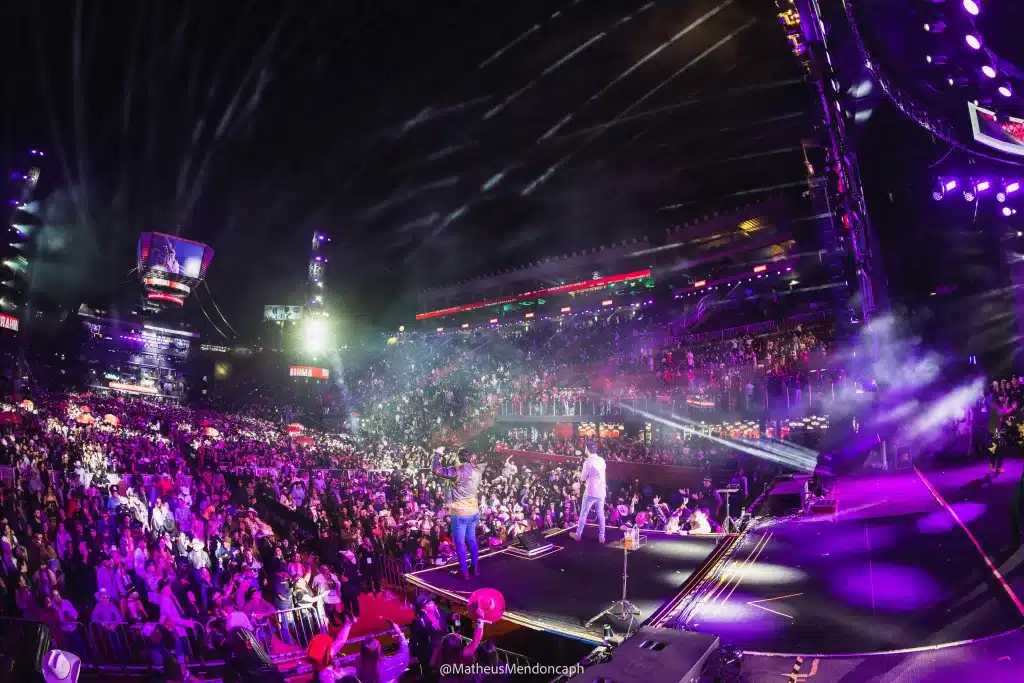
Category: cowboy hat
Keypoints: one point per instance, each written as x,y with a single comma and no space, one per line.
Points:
490,601
61,667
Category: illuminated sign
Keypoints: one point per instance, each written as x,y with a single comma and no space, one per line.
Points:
168,330
760,269
529,315
560,289
8,322
1003,133
493,322
307,371
169,298
566,309
282,312
699,283
607,302
465,325
133,388
163,282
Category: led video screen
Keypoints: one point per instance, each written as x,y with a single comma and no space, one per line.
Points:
1006,135
160,253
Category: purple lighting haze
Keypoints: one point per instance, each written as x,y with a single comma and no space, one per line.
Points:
973,41
941,522
972,7
888,587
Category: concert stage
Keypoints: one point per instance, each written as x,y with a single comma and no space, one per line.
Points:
561,590
891,572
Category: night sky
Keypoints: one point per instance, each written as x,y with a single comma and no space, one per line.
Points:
433,141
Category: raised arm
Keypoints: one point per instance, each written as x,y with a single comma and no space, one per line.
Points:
439,471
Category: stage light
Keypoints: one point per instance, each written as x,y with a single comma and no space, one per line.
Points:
440,329
1007,211
989,71
982,186
494,321
937,60
401,328
973,41
314,335
969,195
935,27
972,7
1012,187
949,186
1000,197
465,326
1006,90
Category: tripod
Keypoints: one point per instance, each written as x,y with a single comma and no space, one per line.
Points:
728,523
623,609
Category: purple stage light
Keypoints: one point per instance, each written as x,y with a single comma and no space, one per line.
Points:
949,186
982,186
1007,211
1012,187
973,41
1005,91
972,7
989,71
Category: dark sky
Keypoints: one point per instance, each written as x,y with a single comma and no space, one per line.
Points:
433,141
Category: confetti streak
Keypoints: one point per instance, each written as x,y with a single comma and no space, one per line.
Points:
686,67
639,63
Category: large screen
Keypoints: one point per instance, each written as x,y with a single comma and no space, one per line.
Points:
1006,135
160,253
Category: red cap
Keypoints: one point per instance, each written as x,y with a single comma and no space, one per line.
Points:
318,651
491,601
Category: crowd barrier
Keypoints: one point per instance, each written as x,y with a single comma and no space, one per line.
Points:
672,476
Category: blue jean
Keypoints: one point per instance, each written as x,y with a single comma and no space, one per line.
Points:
464,530
588,503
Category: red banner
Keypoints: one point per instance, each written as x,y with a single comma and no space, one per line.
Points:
308,371
551,291
8,322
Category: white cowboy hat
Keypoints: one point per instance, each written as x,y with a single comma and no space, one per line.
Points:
61,667
237,620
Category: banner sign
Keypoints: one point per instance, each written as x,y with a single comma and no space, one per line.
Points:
8,322
282,312
307,371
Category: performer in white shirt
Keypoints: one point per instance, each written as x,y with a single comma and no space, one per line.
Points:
597,488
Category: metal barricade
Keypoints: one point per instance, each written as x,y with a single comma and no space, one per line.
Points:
294,627
508,660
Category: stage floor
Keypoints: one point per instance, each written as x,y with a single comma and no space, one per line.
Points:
892,570
563,589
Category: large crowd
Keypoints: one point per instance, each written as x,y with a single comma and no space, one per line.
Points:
125,521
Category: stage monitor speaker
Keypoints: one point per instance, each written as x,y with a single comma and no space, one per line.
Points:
780,503
533,543
659,655
824,507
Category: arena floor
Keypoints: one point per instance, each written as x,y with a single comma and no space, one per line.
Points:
892,570
563,589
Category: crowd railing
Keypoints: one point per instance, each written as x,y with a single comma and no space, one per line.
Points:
126,647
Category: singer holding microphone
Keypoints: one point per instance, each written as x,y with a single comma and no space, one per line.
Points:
593,474
463,504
